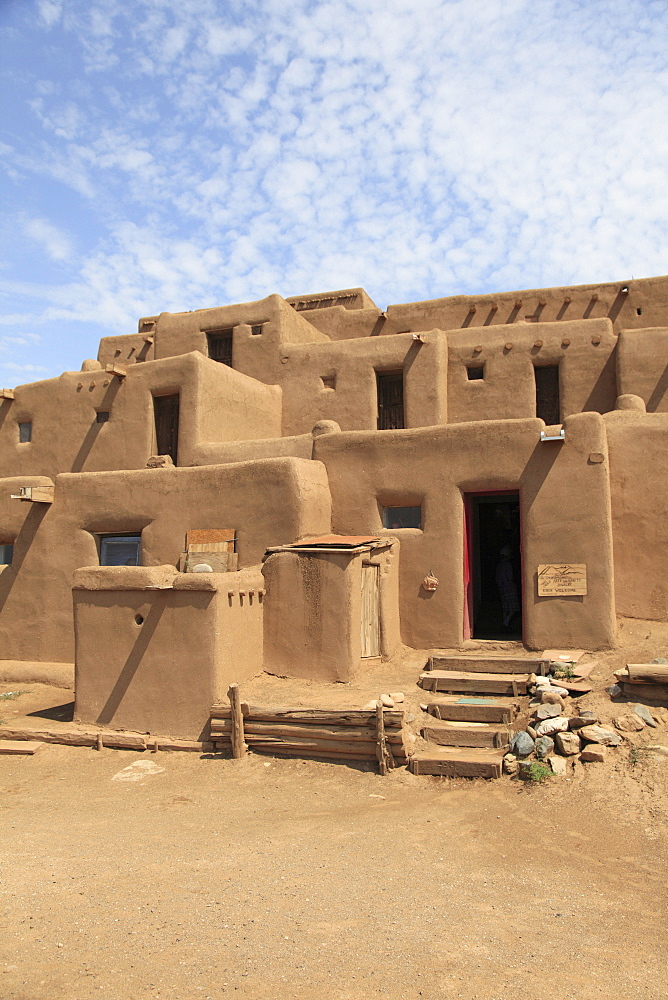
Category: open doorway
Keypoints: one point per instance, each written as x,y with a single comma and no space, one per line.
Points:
493,566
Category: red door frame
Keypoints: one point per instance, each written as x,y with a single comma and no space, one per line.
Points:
468,555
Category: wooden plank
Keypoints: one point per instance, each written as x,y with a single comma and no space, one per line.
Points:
315,716
6,393
76,737
210,538
458,763
238,745
20,746
486,664
647,673
447,680
455,735
646,692
364,733
458,709
366,749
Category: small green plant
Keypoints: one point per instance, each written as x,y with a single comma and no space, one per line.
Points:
565,672
536,773
12,694
638,754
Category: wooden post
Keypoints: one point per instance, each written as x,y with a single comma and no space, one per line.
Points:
381,742
238,744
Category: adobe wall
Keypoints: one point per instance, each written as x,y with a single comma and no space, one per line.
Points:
313,611
268,502
638,445
642,366
156,649
565,503
584,351
217,404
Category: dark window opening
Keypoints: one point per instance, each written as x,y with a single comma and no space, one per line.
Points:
120,550
475,371
25,433
402,517
220,346
390,391
102,416
256,329
548,405
329,381
494,570
639,311
6,553
166,411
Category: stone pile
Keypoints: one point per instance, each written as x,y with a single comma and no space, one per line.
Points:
557,733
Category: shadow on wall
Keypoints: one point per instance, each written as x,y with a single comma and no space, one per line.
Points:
602,397
95,428
131,665
22,543
658,392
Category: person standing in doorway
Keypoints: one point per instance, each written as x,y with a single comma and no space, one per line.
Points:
505,583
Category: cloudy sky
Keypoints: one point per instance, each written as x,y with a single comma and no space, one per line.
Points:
175,154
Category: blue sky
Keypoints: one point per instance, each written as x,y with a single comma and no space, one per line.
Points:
162,155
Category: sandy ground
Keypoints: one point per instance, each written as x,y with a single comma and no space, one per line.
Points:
266,879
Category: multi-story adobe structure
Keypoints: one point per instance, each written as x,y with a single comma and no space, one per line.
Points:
451,435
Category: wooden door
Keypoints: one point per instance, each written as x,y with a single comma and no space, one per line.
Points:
166,410
220,346
548,404
390,387
370,610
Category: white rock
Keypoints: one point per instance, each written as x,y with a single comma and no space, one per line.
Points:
386,701
397,696
558,765
550,726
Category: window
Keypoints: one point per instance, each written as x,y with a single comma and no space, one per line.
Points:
329,381
402,517
256,329
475,371
6,553
390,389
102,416
548,406
25,432
220,346
119,550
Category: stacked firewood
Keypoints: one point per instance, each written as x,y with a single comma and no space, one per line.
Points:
644,680
354,734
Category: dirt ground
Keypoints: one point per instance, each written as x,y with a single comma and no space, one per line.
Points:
131,875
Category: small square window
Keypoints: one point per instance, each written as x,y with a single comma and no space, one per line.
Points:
256,329
402,517
475,371
25,433
119,550
329,381
102,416
6,553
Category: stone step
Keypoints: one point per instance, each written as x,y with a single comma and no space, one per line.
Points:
467,734
454,762
459,680
488,664
458,708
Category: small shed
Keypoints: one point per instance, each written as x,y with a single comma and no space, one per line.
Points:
332,605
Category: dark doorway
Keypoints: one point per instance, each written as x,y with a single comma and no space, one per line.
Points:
390,386
548,404
166,409
493,566
220,346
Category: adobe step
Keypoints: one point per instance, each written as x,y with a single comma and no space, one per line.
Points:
459,680
459,708
488,664
467,734
453,762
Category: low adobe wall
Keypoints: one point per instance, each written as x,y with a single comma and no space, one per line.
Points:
156,649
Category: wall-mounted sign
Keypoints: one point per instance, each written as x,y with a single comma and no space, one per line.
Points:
562,579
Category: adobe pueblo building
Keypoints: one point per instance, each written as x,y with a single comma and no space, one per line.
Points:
299,485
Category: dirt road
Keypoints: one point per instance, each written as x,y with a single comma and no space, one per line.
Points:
268,879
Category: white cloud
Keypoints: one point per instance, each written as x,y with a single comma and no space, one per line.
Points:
50,12
53,241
